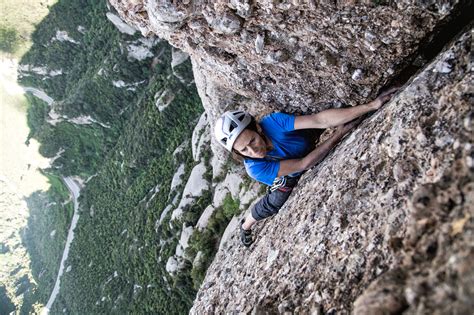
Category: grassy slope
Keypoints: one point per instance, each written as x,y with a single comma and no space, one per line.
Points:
23,16
145,151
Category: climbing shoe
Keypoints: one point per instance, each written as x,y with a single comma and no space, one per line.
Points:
245,235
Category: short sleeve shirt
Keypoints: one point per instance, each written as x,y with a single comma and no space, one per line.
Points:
288,143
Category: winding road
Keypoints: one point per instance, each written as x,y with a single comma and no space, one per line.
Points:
40,94
75,191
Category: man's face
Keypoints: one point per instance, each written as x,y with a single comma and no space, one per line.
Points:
251,144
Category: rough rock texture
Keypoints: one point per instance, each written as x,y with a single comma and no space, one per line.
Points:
294,55
385,224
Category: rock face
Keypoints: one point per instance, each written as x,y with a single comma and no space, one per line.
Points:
293,55
384,224
393,203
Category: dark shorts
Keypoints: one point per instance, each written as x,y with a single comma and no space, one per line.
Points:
271,203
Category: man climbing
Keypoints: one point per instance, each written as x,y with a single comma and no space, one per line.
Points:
276,152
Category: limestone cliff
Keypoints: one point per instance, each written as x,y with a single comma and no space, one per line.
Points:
294,55
384,224
385,220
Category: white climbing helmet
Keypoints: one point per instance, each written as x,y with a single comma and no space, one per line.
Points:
229,126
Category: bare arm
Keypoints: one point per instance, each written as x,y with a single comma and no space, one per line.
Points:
337,116
318,154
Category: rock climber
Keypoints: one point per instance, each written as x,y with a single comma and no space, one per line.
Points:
276,152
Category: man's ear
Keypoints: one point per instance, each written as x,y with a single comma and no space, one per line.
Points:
259,129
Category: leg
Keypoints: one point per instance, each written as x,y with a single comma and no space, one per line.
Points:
269,205
249,222
265,207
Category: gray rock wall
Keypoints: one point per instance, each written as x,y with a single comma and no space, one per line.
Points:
386,220
293,55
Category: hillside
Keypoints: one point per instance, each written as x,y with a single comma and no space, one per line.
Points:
119,115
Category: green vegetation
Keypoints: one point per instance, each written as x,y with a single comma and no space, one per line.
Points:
207,241
125,214
6,305
9,39
86,89
120,249
21,17
45,236
123,239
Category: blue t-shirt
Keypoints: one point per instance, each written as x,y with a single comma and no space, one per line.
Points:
288,143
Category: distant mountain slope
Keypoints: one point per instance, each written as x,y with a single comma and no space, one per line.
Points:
87,71
122,115
86,66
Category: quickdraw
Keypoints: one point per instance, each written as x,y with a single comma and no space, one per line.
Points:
278,183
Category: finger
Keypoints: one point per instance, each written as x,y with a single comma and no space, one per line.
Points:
387,96
392,90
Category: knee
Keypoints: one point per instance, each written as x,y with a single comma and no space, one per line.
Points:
260,212
269,205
